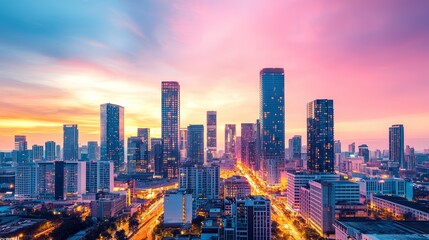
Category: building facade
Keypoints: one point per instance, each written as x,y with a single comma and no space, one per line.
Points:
320,136
170,117
211,134
70,142
112,135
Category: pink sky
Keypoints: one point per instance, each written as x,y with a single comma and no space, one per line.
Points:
372,58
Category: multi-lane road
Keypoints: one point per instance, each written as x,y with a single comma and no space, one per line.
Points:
149,220
278,210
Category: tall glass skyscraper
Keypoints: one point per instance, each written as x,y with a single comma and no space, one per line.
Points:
396,144
248,132
230,138
144,133
272,114
211,133
295,147
70,142
320,136
196,144
170,105
112,135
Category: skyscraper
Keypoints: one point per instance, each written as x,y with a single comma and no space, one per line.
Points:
211,133
248,134
183,144
50,151
144,134
410,158
295,147
20,142
93,151
364,152
170,105
252,216
20,153
37,152
156,155
230,136
320,135
70,142
112,134
272,114
352,148
135,149
396,144
196,144
337,146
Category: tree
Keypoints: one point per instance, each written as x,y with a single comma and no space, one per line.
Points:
120,235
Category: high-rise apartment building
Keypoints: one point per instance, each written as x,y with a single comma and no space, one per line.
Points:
70,142
252,217
211,134
183,144
26,182
170,108
99,176
396,144
230,139
337,146
320,136
195,143
112,135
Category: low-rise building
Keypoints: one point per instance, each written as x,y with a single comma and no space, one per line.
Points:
399,206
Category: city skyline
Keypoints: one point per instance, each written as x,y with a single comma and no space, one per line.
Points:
370,68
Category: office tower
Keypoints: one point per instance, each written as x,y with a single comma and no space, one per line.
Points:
157,156
252,155
230,139
386,186
272,113
248,134
196,144
252,217
410,158
83,153
364,152
46,180
112,134
183,144
99,176
93,151
134,154
320,136
177,207
50,151
324,197
337,146
296,180
70,142
170,128
37,152
352,148
58,153
258,143
70,180
211,134
201,181
396,144
236,187
26,182
295,147
144,133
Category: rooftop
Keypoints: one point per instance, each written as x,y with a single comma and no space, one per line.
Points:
387,227
404,202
